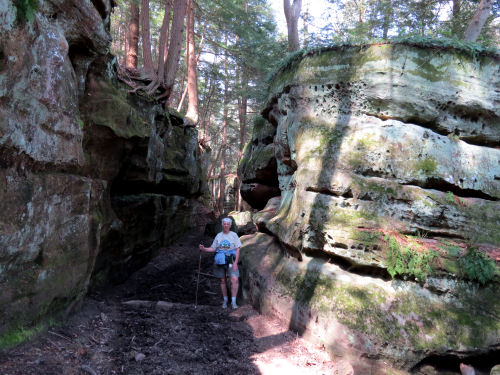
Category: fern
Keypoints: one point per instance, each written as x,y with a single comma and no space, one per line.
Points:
407,261
478,266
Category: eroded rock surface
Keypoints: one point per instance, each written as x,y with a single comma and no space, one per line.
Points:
257,168
93,179
379,149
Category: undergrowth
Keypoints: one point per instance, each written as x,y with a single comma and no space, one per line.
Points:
477,266
409,261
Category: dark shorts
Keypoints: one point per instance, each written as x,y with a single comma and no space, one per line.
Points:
221,270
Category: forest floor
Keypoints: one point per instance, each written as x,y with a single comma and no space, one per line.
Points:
126,330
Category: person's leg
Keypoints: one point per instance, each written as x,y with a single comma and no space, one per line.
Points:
223,288
220,273
234,291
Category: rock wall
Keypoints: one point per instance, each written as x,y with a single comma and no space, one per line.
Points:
93,180
388,165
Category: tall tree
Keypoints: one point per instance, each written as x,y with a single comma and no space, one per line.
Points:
146,38
132,40
222,176
192,66
292,14
174,47
163,43
476,24
455,27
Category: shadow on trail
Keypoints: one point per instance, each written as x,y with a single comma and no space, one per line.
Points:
182,338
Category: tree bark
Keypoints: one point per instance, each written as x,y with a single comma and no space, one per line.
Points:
192,81
132,41
146,39
163,43
222,178
174,47
476,25
388,11
242,116
455,25
292,13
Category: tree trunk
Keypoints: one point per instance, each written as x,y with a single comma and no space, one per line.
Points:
214,163
455,22
174,47
222,183
478,21
163,43
388,11
192,81
242,116
132,42
146,39
292,13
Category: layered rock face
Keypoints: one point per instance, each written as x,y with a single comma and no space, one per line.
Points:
257,168
93,179
388,163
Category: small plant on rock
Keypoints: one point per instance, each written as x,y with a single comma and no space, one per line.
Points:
409,261
477,266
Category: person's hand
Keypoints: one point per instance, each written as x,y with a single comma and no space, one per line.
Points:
235,266
202,247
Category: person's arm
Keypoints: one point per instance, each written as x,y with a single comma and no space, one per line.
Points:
212,247
235,263
207,249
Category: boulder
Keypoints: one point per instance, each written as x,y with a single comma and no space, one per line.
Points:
388,168
244,222
262,217
366,320
94,180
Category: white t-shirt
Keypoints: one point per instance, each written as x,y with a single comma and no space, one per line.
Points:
226,242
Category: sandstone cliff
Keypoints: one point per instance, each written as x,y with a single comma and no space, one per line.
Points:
389,174
93,180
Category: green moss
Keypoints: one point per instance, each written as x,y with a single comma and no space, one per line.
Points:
284,71
26,10
427,166
356,159
174,112
80,123
108,106
366,237
19,334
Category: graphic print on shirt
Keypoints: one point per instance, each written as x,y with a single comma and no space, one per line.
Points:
224,245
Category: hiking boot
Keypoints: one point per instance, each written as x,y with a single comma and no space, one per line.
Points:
234,305
224,304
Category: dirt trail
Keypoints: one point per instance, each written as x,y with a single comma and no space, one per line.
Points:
110,336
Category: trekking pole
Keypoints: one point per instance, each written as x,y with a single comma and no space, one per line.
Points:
197,283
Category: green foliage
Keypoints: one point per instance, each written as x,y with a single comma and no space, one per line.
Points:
453,199
477,266
450,198
26,10
408,261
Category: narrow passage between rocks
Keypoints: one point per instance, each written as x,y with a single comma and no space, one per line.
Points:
150,325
